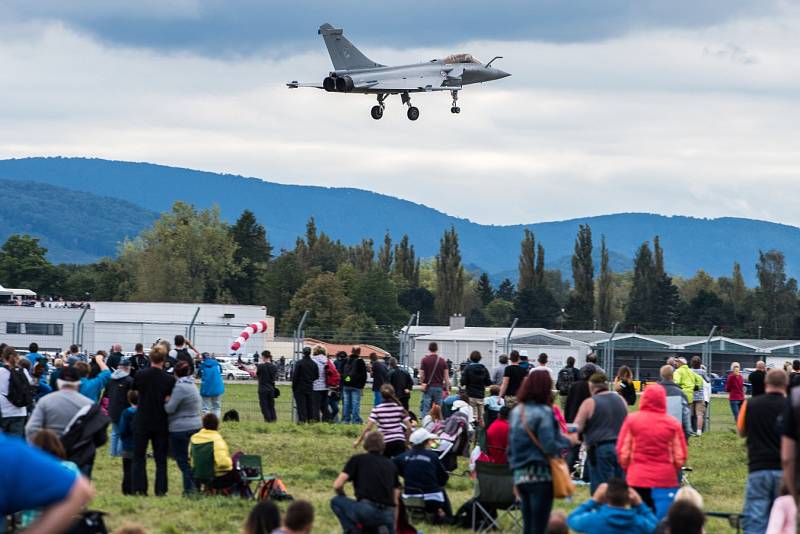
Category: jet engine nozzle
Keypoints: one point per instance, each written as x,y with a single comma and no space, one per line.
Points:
344,84
329,84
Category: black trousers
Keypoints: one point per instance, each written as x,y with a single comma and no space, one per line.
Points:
305,406
127,488
160,440
322,411
266,399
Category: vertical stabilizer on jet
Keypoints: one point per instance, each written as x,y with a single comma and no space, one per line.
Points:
344,55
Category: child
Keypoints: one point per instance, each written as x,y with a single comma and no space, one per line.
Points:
47,441
126,440
493,403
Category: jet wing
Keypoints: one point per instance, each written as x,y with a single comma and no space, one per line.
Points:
296,84
429,83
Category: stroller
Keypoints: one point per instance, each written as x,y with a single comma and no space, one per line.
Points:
453,440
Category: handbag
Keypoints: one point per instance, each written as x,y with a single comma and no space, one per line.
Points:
276,392
563,486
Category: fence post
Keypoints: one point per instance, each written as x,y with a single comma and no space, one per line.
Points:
404,340
508,337
609,355
297,346
707,350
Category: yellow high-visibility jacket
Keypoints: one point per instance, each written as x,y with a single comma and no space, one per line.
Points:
222,458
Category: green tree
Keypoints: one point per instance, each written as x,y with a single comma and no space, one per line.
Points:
580,306
505,291
406,268
449,277
23,264
701,281
362,255
375,294
537,308
485,290
385,255
283,278
540,276
327,305
356,328
318,252
252,256
605,288
419,300
499,312
527,262
775,296
667,299
187,256
643,294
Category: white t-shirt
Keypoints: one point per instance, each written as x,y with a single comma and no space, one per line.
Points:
6,408
543,368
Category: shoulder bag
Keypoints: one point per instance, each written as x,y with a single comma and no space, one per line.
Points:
563,486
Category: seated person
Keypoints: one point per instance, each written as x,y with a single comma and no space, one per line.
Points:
376,485
224,473
424,475
433,419
447,404
497,438
493,403
615,508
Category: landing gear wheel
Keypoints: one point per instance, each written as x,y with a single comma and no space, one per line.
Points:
376,112
413,113
455,109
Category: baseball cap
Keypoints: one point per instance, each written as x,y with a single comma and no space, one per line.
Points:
420,436
69,374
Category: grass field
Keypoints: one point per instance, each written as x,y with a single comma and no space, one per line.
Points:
308,458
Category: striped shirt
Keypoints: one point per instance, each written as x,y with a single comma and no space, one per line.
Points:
390,419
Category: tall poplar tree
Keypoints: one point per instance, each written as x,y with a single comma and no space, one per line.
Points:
605,288
527,262
580,307
485,290
385,255
449,277
253,253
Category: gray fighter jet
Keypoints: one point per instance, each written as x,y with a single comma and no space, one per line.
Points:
356,73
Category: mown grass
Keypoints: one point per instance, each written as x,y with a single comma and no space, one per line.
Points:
308,458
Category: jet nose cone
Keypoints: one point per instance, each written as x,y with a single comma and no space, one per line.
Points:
500,74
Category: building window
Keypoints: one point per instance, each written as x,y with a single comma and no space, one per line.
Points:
13,328
44,329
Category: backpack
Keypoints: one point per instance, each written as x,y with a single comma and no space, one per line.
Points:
332,376
84,434
19,389
182,355
272,488
566,377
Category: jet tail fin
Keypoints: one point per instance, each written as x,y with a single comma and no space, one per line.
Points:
344,55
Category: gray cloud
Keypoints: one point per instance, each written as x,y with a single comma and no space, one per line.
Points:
245,27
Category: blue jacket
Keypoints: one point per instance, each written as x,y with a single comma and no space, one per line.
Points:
93,387
591,518
542,423
211,378
126,428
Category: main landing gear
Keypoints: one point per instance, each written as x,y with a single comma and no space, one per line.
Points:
412,113
377,111
455,108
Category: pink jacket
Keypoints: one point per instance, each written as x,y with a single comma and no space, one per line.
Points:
651,447
734,385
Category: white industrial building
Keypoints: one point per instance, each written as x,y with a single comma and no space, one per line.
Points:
211,327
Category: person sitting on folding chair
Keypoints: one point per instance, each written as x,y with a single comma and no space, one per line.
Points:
424,476
225,476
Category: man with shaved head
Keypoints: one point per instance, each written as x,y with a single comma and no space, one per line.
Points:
677,404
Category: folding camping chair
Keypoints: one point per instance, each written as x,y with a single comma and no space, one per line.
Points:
203,466
494,490
250,470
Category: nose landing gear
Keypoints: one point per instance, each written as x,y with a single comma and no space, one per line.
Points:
455,108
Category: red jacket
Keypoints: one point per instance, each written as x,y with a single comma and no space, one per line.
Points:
734,385
497,441
651,447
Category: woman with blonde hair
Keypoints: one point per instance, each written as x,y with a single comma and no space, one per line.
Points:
734,385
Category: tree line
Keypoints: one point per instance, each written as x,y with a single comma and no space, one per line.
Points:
354,292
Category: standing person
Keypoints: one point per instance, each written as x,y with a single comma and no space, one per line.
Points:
677,404
760,422
475,379
651,448
15,394
512,379
401,381
93,387
523,361
687,380
34,357
757,379
734,385
183,416
794,376
623,384
304,373
211,385
377,489
392,421
499,369
319,402
379,377
579,392
533,416
541,361
181,352
126,441
433,378
567,376
267,372
75,355
599,419
150,425
140,360
115,357
117,390
700,398
354,377
55,411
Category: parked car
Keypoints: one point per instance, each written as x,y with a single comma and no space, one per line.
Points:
231,372
718,384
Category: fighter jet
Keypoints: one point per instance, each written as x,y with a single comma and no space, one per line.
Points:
356,73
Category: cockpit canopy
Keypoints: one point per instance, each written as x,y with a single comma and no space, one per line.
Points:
460,58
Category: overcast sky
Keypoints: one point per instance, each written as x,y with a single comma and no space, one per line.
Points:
679,107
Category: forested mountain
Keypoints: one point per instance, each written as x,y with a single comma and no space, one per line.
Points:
75,226
352,214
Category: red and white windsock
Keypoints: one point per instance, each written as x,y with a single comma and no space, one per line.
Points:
252,329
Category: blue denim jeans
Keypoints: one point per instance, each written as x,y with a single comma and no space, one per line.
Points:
115,447
333,407
213,405
605,465
535,501
179,443
351,409
431,395
376,398
762,488
352,513
736,405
